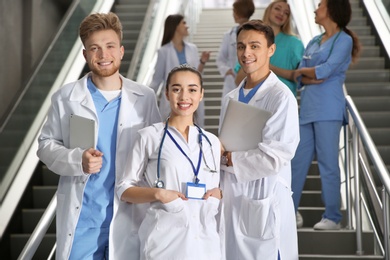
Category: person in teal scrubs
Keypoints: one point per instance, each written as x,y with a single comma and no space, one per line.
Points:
321,75
289,48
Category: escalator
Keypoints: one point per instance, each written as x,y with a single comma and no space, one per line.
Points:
43,183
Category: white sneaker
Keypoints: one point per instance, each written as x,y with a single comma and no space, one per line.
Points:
327,224
299,220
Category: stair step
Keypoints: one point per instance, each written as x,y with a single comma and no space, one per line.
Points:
333,242
30,219
18,241
339,257
368,75
368,63
376,119
373,103
42,195
365,89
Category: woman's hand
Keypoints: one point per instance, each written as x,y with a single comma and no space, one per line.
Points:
216,193
205,57
296,74
310,81
166,196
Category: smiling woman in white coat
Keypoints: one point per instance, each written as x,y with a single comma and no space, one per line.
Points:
92,223
174,166
175,51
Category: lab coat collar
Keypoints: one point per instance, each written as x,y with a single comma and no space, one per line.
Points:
80,91
269,82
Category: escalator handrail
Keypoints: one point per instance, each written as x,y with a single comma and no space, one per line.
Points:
61,27
142,38
381,21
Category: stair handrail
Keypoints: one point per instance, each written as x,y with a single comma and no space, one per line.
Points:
142,38
381,21
40,230
362,142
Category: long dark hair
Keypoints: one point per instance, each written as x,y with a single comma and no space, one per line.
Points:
340,12
171,23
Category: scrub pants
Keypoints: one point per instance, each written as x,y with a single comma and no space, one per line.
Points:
320,139
90,243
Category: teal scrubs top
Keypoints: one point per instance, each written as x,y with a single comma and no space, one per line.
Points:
288,54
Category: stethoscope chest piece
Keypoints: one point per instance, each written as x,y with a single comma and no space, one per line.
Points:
159,184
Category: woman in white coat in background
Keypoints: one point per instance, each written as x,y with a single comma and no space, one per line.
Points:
227,56
175,51
174,166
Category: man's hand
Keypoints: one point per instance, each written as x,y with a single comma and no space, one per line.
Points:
92,161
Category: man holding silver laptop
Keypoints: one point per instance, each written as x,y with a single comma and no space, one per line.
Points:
92,222
256,179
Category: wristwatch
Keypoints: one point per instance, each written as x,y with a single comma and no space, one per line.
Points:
224,158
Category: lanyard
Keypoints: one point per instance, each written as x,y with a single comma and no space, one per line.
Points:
196,170
159,183
245,99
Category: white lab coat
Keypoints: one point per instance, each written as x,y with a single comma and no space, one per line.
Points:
138,109
166,61
178,229
227,59
258,208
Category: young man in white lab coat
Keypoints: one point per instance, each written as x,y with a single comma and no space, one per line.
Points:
257,183
92,223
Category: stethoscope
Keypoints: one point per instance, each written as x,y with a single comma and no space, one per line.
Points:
159,183
318,40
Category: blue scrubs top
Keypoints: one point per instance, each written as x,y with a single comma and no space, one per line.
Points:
98,200
181,55
331,59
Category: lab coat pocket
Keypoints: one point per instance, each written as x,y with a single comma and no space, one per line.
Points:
209,211
259,218
172,215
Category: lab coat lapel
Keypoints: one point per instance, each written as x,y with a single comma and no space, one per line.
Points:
269,82
80,93
130,93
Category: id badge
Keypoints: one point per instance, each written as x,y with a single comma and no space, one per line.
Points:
195,191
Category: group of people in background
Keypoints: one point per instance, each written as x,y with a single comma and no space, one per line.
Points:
157,185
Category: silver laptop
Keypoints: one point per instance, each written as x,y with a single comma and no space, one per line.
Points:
242,126
81,132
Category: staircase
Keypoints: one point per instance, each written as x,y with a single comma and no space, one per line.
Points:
313,245
44,182
368,83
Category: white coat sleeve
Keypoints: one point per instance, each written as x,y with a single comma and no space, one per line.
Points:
159,71
280,140
51,149
135,166
223,55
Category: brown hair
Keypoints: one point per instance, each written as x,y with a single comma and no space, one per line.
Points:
171,23
286,28
261,27
244,8
340,12
100,21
